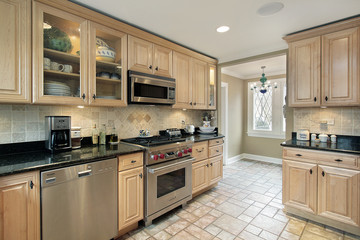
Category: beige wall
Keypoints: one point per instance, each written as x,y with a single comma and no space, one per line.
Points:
24,123
269,147
235,118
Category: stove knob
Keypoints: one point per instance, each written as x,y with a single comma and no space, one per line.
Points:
154,157
179,154
190,150
162,156
185,151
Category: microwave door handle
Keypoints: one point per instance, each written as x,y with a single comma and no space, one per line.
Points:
157,82
154,170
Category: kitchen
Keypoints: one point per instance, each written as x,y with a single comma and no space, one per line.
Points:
97,95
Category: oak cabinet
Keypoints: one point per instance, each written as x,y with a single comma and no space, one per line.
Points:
340,68
131,190
304,72
199,84
339,194
324,70
207,169
182,75
15,51
20,207
323,186
144,56
300,185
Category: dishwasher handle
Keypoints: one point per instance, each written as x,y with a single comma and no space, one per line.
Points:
84,173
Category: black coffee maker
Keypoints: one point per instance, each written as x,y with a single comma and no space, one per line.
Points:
58,133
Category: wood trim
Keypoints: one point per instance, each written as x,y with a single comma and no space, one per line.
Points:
321,30
118,25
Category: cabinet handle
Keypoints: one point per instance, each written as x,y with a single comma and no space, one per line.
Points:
140,175
326,98
157,69
217,150
323,173
94,96
194,103
338,160
200,150
310,171
150,67
83,96
207,165
31,184
298,155
133,161
211,164
191,103
315,99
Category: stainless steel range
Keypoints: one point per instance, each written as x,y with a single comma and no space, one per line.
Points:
168,172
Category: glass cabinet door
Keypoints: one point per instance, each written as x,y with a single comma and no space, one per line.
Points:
212,87
59,56
107,49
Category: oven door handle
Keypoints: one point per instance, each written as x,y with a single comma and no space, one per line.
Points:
154,170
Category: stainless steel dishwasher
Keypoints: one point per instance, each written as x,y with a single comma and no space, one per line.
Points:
80,202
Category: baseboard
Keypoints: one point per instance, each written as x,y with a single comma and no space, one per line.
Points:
234,159
261,158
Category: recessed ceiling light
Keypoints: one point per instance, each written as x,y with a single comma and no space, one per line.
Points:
222,29
270,8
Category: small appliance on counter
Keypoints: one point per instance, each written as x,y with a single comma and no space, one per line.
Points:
58,133
303,135
76,137
171,133
190,129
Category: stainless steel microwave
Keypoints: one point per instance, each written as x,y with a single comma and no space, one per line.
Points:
150,89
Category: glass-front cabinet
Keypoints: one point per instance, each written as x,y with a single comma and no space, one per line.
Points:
107,62
59,47
212,87
77,61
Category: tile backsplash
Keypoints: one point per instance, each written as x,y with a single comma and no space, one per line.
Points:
346,120
25,123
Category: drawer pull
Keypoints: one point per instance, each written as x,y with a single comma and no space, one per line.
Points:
323,173
217,150
310,171
133,161
217,141
298,155
207,165
211,164
200,150
338,160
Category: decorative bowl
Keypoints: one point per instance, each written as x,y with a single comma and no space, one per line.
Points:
207,129
105,54
101,43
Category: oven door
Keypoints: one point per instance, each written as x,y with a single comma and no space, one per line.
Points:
167,183
145,89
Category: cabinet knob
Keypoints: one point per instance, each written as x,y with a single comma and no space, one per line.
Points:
326,98
94,96
157,69
323,173
298,155
207,165
140,175
31,184
191,103
83,96
133,161
211,164
310,171
315,99
194,103
150,67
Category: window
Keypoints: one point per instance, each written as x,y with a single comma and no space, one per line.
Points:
265,111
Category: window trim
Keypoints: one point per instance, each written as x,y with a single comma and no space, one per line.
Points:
277,113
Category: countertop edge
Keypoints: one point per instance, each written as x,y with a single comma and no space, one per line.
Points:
284,144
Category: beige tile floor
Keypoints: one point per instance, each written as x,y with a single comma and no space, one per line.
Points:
246,204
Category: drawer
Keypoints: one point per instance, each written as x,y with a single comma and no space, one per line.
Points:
215,151
216,142
200,150
130,161
322,157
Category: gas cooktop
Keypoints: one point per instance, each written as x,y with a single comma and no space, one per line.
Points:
153,141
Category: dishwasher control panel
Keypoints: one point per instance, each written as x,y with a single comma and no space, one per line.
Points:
60,175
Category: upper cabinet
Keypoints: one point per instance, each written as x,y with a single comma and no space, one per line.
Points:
107,66
304,74
59,56
15,53
199,84
324,66
182,75
340,68
147,57
212,87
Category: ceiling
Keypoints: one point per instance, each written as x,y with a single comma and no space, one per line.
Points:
273,66
193,23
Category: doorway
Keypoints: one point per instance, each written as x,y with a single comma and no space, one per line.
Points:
224,117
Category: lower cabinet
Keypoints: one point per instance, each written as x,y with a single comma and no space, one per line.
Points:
20,207
207,172
131,191
323,186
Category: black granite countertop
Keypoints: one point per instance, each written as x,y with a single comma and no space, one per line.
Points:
43,160
344,144
205,137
